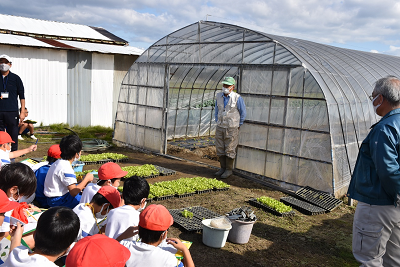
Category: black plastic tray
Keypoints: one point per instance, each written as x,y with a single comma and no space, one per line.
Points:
162,198
302,206
90,162
120,160
184,195
318,198
221,189
192,224
103,161
257,204
188,224
150,176
165,171
203,191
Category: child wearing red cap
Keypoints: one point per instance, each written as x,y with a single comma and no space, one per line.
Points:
5,149
6,206
102,202
53,154
98,251
17,180
154,223
135,192
56,230
109,174
60,185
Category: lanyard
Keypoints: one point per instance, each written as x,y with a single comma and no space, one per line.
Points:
94,216
5,84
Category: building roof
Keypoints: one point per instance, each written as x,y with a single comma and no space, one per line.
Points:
23,31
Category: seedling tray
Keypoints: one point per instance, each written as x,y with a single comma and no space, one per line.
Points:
221,189
120,160
184,195
104,161
192,224
257,204
203,191
162,198
90,162
302,206
164,171
187,224
203,213
318,198
150,176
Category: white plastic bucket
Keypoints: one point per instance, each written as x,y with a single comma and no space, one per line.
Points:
240,232
214,237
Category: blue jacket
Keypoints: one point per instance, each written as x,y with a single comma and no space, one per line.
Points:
376,176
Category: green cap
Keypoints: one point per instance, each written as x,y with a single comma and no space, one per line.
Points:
229,81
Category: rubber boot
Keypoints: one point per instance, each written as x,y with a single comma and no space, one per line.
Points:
229,167
222,162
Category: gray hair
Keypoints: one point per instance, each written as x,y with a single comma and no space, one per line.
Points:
389,88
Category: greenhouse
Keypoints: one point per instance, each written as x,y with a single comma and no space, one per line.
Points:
308,106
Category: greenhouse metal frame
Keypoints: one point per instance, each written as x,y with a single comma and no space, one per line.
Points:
307,104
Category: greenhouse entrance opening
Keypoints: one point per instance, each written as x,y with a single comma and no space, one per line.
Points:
191,104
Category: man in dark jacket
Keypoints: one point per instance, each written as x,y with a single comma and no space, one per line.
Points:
11,89
376,182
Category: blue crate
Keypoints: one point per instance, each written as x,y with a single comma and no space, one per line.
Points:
78,166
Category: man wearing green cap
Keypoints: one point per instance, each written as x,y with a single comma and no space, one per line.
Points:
230,113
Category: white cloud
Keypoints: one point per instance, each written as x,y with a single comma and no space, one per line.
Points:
139,21
374,51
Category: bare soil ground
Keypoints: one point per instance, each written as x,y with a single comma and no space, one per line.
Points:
302,240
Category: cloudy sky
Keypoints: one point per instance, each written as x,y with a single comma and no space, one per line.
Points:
356,24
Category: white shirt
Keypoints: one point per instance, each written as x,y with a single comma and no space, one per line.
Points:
143,254
120,219
19,257
88,193
5,227
88,223
58,178
4,158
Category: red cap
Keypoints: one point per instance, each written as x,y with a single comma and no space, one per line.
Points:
5,138
111,194
5,203
98,250
110,170
54,152
156,218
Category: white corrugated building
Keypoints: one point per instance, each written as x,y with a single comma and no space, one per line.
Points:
71,73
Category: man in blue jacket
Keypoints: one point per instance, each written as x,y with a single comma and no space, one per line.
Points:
376,182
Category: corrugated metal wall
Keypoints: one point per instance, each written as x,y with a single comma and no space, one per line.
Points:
102,89
45,81
66,86
79,88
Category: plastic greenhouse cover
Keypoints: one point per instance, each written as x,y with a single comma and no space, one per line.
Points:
258,53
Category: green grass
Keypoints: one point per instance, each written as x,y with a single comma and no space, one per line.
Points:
97,132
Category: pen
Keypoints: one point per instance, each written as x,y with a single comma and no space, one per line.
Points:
37,140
